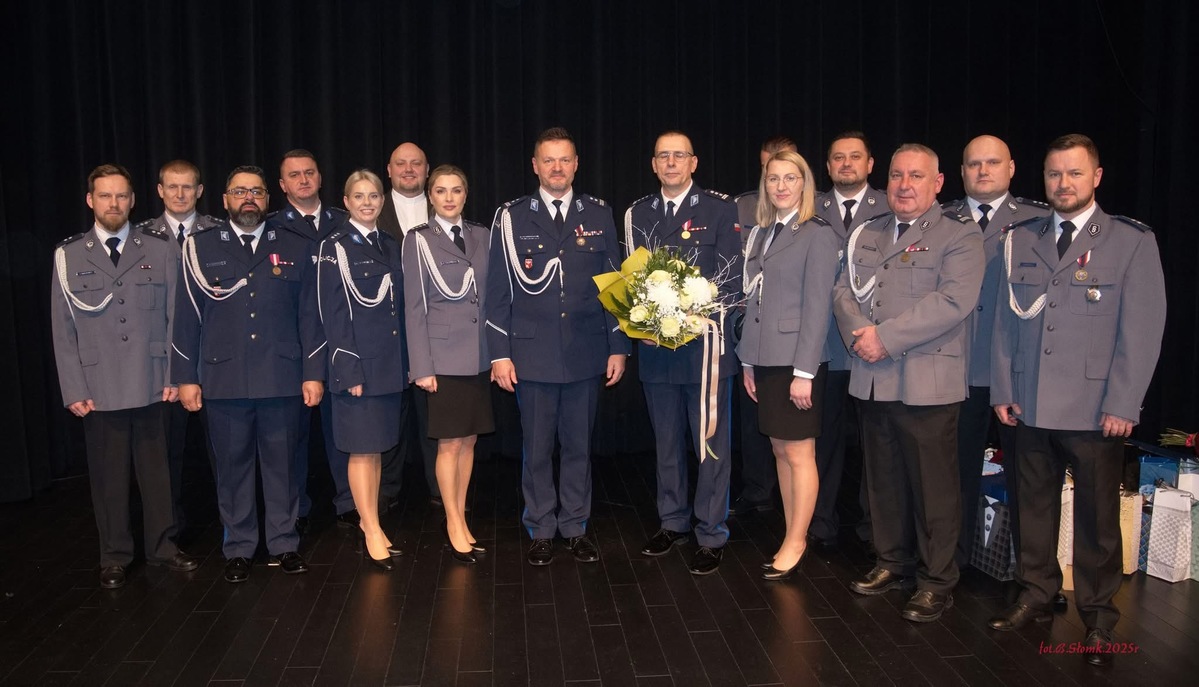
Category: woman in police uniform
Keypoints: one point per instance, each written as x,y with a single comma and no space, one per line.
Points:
361,290
445,262
790,267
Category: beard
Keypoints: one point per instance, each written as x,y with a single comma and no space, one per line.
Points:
248,216
1065,205
112,223
844,183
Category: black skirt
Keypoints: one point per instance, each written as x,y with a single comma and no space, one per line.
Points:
366,424
778,418
461,407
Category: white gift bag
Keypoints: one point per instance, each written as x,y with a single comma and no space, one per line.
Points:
1170,536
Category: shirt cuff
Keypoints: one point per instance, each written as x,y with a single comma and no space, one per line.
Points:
801,374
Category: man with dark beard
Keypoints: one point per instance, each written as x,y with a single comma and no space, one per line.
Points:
247,343
1079,319
111,306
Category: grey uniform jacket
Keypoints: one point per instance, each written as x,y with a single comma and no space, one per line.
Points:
787,312
981,324
925,286
873,204
161,222
1081,356
446,336
115,355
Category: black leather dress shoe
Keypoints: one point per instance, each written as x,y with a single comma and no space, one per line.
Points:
237,570
112,577
349,518
302,525
741,506
1017,616
1098,647
706,560
926,606
180,562
877,581
583,550
541,552
661,542
1060,604
292,563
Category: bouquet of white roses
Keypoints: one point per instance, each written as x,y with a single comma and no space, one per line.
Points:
658,295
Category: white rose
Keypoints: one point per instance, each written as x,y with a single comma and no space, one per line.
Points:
638,313
669,327
658,277
684,300
696,324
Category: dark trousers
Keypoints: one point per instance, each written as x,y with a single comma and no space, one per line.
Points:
262,433
915,499
1039,469
674,415
115,439
566,413
338,461
830,454
183,423
759,477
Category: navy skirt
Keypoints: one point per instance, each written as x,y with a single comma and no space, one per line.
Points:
366,424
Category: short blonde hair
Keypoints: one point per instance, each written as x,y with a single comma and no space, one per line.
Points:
765,213
363,175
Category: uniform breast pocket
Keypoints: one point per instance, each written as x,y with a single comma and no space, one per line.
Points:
224,276
531,259
1097,294
590,244
1027,284
923,278
90,289
151,289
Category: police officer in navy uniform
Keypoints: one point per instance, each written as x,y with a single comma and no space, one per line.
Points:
702,224
179,187
987,170
303,213
111,304
850,202
248,346
759,478
550,339
1080,309
911,280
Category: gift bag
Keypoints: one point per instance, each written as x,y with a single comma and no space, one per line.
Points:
1143,549
1130,529
1154,468
1170,537
1195,543
1065,533
992,552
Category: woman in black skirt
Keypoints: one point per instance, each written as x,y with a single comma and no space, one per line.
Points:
445,264
790,267
361,289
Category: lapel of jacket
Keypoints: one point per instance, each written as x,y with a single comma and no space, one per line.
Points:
1046,244
786,237
913,235
1087,237
684,215
97,254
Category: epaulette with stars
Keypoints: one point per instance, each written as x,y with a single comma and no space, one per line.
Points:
957,216
820,220
335,236
70,239
717,194
1136,224
1035,203
149,229
284,226
642,199
422,227
200,230
882,215
598,201
515,201
145,223
1024,222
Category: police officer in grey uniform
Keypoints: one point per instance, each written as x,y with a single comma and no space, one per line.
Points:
910,281
850,202
759,479
551,341
179,187
111,304
304,214
1080,313
248,346
987,169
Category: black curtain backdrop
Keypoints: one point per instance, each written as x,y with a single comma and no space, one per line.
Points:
474,81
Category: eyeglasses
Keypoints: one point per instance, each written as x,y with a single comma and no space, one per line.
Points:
239,192
678,155
789,179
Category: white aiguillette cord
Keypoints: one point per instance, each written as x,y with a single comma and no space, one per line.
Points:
748,285
60,263
860,293
1037,305
347,279
552,265
427,262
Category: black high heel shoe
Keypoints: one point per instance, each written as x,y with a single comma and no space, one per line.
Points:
383,564
775,574
467,557
474,545
767,565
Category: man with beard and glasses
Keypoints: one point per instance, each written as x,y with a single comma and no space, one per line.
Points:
1079,319
111,304
180,187
303,213
248,347
850,202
